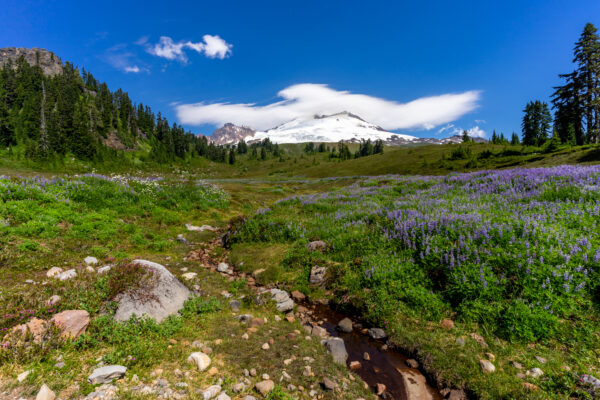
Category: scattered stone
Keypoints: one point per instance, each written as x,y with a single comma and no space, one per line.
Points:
317,245
107,374
253,372
257,322
245,336
265,346
104,392
89,260
223,396
317,275
412,363
59,365
194,228
37,327
529,386
54,300
90,269
345,325
52,272
200,359
355,365
486,366
328,384
72,323
45,393
460,341
516,365
265,377
69,274
181,239
103,270
239,387
366,356
380,389
223,267
23,375
211,392
479,339
319,331
264,387
447,324
490,356
249,398
337,348
244,318
188,276
163,298
377,333
591,380
283,300
235,305
298,296
541,360
565,368
535,372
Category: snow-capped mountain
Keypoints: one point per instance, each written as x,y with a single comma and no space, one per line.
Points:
322,128
328,128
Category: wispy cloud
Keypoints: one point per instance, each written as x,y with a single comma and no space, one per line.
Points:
451,129
122,59
308,99
210,46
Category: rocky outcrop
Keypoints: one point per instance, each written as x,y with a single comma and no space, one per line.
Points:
230,133
163,295
49,62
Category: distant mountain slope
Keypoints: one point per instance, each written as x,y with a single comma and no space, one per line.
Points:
324,128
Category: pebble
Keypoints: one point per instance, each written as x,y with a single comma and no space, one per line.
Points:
380,389
265,346
366,356
540,359
345,325
328,384
200,359
107,374
23,375
45,393
411,363
377,333
211,392
535,372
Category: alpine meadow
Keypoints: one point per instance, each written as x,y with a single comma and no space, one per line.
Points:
300,201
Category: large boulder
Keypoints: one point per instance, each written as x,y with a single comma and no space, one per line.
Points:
161,297
72,323
283,300
337,348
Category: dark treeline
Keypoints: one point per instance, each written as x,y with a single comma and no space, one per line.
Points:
74,113
342,151
576,104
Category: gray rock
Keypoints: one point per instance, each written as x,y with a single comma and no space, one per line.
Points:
244,318
486,366
345,325
223,267
541,360
107,374
182,239
264,387
319,331
63,276
235,305
337,348
223,396
249,398
317,275
328,384
460,341
211,392
23,375
103,270
377,333
239,387
165,296
535,372
317,245
283,300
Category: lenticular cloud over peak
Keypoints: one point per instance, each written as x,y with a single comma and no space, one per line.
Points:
308,99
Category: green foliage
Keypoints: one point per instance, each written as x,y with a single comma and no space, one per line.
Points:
200,305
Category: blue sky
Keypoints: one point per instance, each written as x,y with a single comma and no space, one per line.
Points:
485,59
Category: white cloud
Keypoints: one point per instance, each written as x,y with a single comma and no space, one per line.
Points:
211,46
304,100
476,132
135,69
445,128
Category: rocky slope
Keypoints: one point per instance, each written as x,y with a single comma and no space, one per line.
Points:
49,62
230,134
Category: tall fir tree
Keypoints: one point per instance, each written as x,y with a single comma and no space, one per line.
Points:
536,123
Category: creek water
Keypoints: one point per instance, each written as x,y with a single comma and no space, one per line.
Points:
384,366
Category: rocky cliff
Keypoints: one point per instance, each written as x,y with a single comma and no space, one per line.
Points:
50,63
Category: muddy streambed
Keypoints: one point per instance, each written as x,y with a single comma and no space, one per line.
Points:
384,366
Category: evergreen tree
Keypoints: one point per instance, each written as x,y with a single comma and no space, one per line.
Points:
465,136
514,140
378,147
232,156
263,153
536,123
587,60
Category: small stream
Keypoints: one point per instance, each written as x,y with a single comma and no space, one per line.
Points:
383,366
